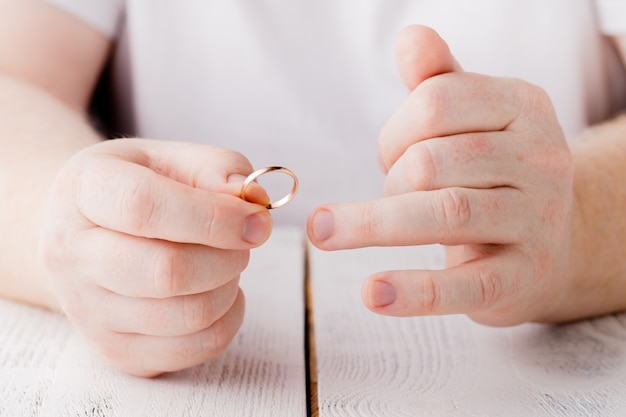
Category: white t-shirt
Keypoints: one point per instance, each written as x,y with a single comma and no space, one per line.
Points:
309,84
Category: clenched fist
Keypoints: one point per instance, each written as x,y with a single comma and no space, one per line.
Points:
145,242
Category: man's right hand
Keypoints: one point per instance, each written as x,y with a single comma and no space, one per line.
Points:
145,242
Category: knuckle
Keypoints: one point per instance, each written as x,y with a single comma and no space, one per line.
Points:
200,311
489,287
172,267
537,96
432,103
216,339
370,222
137,206
421,170
211,213
197,312
451,209
429,295
535,101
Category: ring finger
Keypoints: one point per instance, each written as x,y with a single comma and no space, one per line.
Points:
175,316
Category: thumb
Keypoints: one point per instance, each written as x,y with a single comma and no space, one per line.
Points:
421,53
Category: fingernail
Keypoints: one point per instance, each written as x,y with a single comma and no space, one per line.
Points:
323,225
256,228
382,294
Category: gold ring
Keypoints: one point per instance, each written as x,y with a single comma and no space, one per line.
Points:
256,174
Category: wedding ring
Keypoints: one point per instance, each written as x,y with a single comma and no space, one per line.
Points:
256,174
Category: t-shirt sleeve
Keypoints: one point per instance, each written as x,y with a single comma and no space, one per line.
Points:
612,16
103,15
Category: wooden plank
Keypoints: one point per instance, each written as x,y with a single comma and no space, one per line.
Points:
370,365
47,370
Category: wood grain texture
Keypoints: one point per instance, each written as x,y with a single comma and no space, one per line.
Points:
47,370
370,365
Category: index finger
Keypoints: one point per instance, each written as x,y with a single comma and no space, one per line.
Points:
450,216
159,194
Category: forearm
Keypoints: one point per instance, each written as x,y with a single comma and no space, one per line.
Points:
38,135
598,252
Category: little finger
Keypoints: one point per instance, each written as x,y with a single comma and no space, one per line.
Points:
486,284
149,356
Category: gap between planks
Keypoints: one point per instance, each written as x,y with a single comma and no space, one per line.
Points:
309,339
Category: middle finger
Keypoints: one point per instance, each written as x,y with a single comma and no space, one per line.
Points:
139,267
473,160
449,104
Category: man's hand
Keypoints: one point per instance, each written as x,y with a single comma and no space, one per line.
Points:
479,164
145,241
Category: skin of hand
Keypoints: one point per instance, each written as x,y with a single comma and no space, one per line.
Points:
480,165
145,241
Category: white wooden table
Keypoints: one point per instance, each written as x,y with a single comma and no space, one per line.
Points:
363,364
